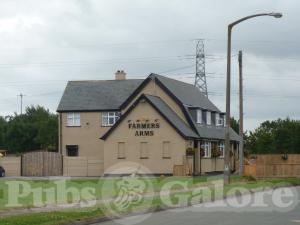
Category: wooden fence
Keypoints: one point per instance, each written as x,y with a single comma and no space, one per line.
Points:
275,166
250,170
11,165
42,163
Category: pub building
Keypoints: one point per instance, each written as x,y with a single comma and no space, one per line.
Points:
157,122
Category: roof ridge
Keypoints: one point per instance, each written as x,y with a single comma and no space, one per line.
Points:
170,78
101,80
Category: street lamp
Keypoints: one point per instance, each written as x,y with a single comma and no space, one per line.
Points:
228,85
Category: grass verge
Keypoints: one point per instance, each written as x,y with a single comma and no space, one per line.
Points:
155,203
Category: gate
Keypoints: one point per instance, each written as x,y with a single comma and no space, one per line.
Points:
41,163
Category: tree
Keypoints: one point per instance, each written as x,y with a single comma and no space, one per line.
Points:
36,129
279,136
234,124
3,127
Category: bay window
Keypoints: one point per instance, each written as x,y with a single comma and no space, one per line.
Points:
222,149
206,146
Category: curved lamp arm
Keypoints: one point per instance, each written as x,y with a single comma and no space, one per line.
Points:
276,15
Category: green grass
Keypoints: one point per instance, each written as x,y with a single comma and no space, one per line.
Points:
101,191
52,218
155,185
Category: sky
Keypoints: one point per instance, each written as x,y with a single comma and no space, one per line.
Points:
43,44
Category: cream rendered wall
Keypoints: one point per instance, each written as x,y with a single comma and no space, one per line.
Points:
87,136
155,163
153,89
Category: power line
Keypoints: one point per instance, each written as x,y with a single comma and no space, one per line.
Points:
148,42
176,69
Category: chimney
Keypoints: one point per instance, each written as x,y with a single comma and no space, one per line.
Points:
120,75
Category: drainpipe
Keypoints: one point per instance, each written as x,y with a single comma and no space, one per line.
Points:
60,133
199,146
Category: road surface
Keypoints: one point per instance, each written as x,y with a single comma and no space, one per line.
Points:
248,215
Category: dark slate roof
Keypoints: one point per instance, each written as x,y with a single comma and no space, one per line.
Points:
188,94
96,95
170,115
211,132
164,110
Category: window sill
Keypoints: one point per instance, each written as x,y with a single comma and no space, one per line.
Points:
121,157
73,126
106,125
144,157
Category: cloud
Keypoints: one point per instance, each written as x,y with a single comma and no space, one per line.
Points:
45,43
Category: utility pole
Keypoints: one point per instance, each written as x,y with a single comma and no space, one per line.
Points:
21,96
241,120
200,78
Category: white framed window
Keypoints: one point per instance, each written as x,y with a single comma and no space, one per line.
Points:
73,119
110,118
219,120
222,149
199,116
208,118
206,145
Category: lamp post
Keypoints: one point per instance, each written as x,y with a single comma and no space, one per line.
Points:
228,86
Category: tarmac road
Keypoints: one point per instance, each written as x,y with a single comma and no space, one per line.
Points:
248,215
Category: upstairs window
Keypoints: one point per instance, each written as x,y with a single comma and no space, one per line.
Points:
110,118
208,118
219,120
199,116
73,119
